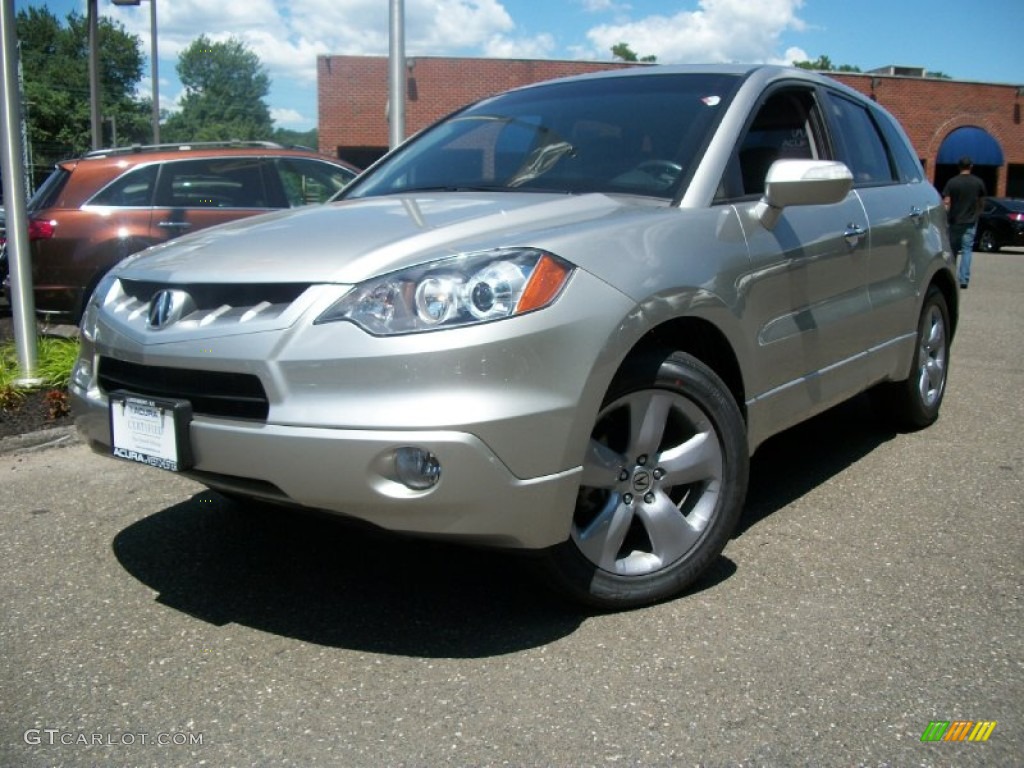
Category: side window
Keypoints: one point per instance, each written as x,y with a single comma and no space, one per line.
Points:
221,182
310,181
132,189
906,160
859,143
784,127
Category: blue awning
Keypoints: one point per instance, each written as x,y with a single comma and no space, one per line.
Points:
976,143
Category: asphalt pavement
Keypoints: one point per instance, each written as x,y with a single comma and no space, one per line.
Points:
874,588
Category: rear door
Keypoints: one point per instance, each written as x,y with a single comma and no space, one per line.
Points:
905,214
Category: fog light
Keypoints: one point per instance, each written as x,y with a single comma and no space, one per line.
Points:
416,468
82,374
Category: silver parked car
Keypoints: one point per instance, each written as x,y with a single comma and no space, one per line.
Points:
559,320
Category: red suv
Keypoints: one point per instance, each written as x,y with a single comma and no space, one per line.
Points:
94,211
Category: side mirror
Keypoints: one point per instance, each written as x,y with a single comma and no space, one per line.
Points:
801,182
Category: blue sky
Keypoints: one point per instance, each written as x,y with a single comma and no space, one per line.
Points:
977,40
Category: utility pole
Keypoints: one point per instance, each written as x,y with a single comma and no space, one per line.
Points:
94,74
396,75
11,158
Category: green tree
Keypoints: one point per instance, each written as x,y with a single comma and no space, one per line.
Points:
625,53
225,85
296,138
55,72
824,64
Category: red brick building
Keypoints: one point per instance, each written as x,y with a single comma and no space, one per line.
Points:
944,118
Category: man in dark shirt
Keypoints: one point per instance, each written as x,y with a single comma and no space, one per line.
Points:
963,197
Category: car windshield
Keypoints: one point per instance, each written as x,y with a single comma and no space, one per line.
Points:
638,134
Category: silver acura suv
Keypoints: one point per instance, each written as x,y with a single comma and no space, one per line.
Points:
559,320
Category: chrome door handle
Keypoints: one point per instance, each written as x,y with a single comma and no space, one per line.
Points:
174,224
853,234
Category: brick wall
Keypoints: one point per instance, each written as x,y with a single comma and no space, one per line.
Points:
352,93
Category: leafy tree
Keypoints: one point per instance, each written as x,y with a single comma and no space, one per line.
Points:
55,71
296,138
225,85
625,53
824,64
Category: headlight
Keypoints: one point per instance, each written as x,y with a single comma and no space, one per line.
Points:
463,290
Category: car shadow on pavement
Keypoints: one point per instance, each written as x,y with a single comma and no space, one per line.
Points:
796,461
318,579
321,580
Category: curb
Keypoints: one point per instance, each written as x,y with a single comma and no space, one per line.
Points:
41,440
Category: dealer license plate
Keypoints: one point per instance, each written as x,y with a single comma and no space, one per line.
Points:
151,431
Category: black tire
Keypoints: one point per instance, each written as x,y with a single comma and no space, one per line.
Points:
663,486
987,241
914,403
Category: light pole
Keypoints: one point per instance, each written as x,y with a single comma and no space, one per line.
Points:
396,74
153,66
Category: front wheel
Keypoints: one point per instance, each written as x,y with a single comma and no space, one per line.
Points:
663,484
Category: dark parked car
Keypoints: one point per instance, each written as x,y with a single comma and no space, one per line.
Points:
1001,224
96,210
558,321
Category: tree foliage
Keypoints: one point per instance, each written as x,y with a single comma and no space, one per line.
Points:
292,138
824,64
225,85
55,72
625,53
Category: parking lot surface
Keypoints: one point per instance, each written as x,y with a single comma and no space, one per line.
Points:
874,588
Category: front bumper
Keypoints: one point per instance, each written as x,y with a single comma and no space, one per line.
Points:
506,409
349,472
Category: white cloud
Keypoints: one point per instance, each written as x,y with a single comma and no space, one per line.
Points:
288,117
501,47
288,35
603,6
718,31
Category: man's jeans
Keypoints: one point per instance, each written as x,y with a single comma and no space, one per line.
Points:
961,240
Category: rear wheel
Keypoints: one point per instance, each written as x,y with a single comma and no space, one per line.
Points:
914,403
663,485
987,241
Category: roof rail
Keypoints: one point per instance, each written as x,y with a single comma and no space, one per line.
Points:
184,145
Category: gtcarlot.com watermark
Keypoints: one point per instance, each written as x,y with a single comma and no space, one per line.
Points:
49,737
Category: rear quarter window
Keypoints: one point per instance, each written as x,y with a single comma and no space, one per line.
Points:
49,191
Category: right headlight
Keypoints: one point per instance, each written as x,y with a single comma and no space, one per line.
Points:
453,292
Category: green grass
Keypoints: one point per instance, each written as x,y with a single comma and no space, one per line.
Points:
56,358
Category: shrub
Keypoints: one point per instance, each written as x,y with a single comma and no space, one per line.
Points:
56,358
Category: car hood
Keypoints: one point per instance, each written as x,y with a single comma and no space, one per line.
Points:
351,241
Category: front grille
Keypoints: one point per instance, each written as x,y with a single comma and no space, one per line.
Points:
209,296
212,393
211,303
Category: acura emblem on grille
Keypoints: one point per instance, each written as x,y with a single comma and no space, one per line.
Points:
168,307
